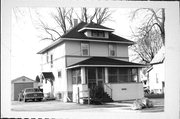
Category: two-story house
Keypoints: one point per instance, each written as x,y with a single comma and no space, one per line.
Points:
90,55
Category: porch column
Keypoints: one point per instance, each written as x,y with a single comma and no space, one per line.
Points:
83,77
138,75
106,75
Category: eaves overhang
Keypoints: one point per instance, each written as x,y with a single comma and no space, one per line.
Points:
124,66
98,29
75,39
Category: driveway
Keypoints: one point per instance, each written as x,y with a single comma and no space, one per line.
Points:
60,106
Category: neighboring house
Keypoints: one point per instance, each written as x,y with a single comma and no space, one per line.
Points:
156,73
144,79
20,84
90,55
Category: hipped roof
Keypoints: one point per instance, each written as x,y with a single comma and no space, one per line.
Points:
105,62
75,34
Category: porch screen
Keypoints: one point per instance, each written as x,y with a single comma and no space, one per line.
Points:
112,75
76,76
121,75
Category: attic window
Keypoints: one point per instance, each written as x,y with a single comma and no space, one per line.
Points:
96,33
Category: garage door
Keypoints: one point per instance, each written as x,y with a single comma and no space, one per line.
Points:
20,86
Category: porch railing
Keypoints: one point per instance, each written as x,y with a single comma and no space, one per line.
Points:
108,89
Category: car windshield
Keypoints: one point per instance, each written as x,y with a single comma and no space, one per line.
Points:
32,90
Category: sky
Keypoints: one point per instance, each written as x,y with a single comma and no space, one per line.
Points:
26,40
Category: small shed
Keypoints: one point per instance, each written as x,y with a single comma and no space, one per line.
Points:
19,84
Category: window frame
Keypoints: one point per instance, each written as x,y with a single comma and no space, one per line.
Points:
76,76
59,73
121,75
84,48
114,48
51,60
97,33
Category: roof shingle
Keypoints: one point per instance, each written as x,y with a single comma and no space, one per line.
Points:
74,34
105,61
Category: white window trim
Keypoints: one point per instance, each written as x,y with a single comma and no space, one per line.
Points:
115,49
87,49
60,73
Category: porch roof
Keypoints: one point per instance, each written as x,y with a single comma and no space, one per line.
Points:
105,62
48,75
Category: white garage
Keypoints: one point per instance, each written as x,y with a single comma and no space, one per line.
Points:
19,84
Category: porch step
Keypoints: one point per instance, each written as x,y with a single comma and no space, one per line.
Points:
106,98
100,100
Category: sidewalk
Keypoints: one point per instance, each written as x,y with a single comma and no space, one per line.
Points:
73,107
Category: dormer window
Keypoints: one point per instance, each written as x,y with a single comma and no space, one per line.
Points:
96,33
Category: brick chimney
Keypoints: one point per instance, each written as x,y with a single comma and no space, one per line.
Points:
75,22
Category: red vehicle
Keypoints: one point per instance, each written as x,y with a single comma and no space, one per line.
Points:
33,94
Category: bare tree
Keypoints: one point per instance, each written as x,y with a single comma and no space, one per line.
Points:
64,19
102,15
98,15
150,35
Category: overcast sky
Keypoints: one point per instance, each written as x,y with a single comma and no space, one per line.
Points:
26,41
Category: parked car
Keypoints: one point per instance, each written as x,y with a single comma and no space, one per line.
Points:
33,94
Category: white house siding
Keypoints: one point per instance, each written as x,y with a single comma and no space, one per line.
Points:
126,91
46,87
58,52
73,51
69,80
72,60
59,64
73,48
156,76
60,84
122,50
98,49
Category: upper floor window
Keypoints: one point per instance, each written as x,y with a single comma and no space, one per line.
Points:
51,61
47,57
157,80
112,49
59,74
84,49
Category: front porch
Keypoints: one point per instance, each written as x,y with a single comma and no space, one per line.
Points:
120,82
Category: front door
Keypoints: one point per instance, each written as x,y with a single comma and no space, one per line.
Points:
95,77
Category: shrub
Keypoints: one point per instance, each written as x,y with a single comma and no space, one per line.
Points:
139,104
